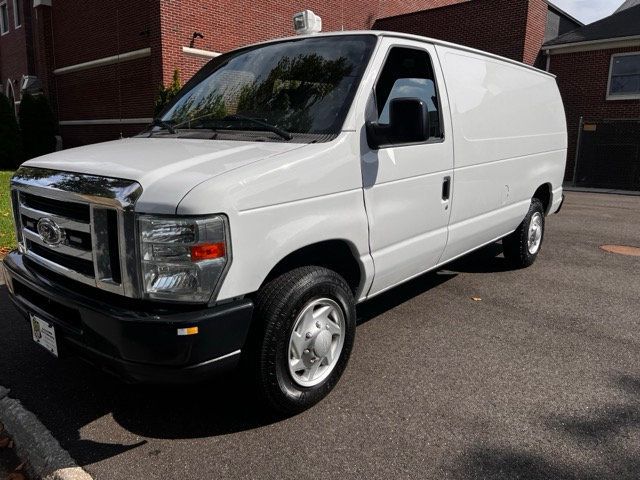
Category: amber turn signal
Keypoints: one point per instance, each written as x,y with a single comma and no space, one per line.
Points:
207,251
182,332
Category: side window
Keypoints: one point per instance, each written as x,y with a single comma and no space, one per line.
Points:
17,14
408,73
4,18
624,76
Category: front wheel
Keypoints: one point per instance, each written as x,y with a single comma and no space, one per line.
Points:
521,247
306,328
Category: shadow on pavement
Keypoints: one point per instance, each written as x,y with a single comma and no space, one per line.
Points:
605,433
486,260
403,293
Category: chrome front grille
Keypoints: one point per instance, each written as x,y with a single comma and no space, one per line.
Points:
79,226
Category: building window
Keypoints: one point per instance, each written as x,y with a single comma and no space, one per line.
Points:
624,77
17,14
4,18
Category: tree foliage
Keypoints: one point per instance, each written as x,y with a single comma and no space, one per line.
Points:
37,125
285,95
293,87
10,143
166,94
210,107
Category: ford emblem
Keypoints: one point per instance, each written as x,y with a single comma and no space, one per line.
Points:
50,231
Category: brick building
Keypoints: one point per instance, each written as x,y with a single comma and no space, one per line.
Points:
511,28
598,72
16,40
101,63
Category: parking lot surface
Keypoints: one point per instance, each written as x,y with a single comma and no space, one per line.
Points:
538,377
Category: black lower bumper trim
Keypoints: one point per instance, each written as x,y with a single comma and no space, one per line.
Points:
140,343
152,374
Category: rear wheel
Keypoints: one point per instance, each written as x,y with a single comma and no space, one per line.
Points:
304,336
521,247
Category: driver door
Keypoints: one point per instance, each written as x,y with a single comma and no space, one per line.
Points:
407,187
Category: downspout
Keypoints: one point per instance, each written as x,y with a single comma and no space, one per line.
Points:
548,54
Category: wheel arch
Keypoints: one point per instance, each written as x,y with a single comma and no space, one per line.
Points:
543,193
338,255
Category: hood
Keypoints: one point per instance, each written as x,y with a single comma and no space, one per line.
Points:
167,168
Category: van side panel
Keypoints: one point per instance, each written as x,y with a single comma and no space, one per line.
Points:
281,204
510,137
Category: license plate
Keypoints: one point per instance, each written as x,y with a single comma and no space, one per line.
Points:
44,334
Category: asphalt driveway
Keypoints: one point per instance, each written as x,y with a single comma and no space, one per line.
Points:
540,379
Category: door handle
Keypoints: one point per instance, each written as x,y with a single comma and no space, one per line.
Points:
446,187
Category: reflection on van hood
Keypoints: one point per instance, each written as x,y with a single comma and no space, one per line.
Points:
167,168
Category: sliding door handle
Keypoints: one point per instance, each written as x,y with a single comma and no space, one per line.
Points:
446,188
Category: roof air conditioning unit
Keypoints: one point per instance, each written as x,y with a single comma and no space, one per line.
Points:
307,22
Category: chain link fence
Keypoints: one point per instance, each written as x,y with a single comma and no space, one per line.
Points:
608,154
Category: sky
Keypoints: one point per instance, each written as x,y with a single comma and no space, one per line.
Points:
588,11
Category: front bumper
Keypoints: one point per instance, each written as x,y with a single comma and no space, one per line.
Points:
136,340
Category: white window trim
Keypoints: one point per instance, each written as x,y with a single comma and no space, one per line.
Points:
197,52
631,96
11,88
16,6
2,31
122,57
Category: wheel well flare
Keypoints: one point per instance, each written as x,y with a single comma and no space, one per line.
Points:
336,255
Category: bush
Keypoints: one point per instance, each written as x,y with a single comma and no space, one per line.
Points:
38,126
10,143
166,94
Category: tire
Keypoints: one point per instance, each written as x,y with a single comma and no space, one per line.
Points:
300,298
521,247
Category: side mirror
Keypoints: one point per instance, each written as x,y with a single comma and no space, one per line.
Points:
408,123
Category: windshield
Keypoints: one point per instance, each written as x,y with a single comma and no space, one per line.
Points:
282,89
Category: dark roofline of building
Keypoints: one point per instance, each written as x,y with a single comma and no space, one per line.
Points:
616,25
627,4
553,6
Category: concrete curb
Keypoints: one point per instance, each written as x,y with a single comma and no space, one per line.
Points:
35,444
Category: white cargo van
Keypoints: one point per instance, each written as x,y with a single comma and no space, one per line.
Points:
287,182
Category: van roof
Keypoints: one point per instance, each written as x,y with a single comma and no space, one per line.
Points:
408,36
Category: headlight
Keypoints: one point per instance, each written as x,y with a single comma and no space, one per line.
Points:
183,259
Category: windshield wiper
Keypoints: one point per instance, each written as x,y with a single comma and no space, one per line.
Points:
157,122
266,126
239,118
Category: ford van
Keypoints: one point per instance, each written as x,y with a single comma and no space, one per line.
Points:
287,182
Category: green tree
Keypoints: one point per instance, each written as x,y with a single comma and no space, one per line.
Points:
10,144
37,125
210,107
166,94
